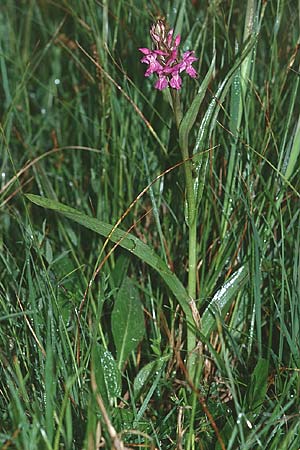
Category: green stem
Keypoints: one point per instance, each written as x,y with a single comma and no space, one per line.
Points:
192,274
194,365
191,438
192,225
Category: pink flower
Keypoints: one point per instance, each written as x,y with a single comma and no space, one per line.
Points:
175,81
186,64
164,59
151,59
162,82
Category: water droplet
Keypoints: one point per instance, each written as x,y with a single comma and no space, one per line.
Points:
249,424
43,111
57,81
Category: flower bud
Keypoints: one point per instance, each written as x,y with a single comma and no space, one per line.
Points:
158,32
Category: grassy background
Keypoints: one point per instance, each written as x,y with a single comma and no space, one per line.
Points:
69,133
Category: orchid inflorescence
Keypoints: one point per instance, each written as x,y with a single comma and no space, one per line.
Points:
164,60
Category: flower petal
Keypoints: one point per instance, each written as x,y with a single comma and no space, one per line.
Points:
146,51
191,71
177,40
176,81
161,83
170,37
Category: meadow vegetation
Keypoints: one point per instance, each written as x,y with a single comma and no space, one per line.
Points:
106,339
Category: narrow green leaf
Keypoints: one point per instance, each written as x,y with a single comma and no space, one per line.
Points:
127,321
180,15
119,271
149,395
125,240
234,125
294,153
258,386
50,384
285,152
291,439
210,117
146,374
99,373
221,301
191,114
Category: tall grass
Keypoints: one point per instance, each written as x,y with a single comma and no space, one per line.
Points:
95,316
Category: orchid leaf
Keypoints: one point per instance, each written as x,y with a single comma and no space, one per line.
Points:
125,240
258,386
221,301
218,305
127,321
107,374
191,114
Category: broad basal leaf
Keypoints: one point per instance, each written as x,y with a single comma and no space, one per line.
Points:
107,374
127,321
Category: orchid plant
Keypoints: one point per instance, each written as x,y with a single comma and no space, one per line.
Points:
165,61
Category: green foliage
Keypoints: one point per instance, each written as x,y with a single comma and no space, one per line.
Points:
94,144
127,321
107,374
257,387
146,374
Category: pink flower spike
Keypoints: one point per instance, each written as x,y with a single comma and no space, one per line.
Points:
164,59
